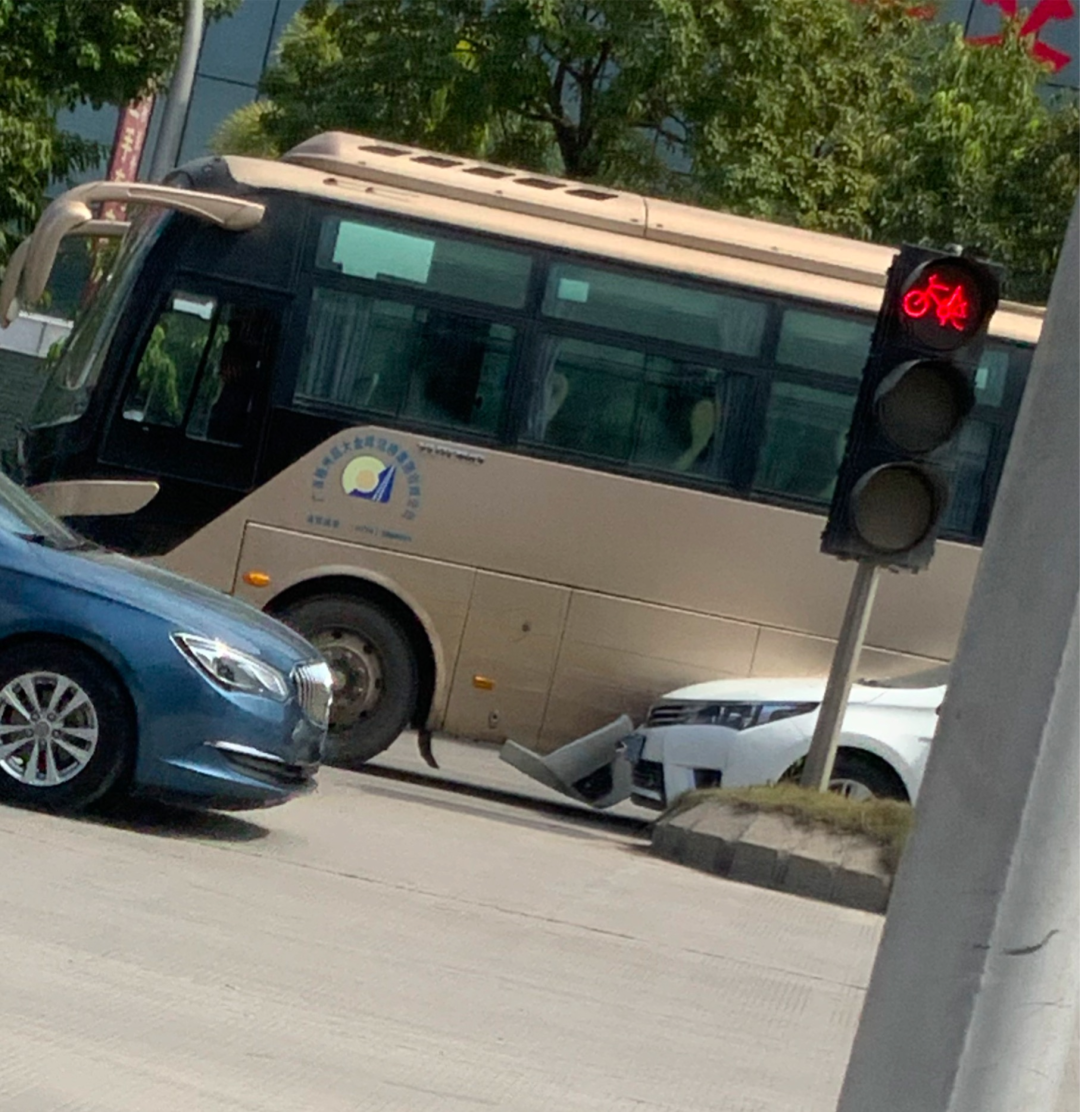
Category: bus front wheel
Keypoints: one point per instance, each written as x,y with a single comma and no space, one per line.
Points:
376,680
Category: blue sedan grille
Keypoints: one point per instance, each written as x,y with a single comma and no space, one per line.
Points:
314,689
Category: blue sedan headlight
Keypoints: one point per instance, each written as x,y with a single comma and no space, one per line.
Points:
229,668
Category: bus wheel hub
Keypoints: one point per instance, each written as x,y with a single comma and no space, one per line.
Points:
357,670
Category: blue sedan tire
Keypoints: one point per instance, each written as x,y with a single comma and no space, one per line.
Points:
67,729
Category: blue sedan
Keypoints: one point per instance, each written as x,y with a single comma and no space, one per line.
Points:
117,677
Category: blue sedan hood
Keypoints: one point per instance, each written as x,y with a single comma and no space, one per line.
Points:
189,606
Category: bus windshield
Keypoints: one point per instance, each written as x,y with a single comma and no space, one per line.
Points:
74,371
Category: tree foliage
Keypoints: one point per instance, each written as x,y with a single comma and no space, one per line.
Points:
881,125
859,118
56,54
562,85
979,158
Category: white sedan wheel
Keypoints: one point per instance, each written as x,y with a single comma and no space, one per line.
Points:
851,789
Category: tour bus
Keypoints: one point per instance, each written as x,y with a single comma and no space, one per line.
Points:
518,454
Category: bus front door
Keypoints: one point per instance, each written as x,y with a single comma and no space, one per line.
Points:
191,412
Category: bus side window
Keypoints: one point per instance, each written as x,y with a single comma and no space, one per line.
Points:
966,459
826,342
991,376
658,310
437,366
357,352
683,416
654,413
161,386
805,427
585,397
461,369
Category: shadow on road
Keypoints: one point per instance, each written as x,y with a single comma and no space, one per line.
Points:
570,814
163,820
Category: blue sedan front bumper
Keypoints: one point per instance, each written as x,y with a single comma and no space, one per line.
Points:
227,776
227,751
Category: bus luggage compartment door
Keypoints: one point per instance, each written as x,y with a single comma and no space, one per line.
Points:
504,670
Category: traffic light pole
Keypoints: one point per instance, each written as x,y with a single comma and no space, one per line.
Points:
819,761
973,1002
891,493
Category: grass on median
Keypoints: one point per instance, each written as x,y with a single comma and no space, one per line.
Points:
887,822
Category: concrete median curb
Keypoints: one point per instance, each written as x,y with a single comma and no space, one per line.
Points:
772,850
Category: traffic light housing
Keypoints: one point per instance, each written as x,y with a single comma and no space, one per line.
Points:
917,388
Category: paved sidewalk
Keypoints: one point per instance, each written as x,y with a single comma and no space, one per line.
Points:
477,764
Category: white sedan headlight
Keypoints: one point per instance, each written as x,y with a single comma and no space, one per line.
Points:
230,668
735,716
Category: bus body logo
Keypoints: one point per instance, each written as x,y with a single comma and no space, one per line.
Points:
376,469
369,478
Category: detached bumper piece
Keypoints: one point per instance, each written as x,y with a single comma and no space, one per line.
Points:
590,770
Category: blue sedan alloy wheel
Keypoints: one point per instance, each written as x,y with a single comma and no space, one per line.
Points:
66,728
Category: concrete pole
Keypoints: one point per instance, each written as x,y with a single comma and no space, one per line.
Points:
1069,1097
817,772
167,148
972,1006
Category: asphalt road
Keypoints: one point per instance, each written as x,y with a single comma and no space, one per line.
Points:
389,945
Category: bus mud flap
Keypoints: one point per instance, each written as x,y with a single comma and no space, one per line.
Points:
590,770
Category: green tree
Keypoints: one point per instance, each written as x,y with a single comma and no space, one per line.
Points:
980,158
787,104
858,118
886,126
55,54
573,86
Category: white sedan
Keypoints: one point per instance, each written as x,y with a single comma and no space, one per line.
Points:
735,733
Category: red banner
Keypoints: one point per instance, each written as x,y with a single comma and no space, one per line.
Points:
1044,12
128,143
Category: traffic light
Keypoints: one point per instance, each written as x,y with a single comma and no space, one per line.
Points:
917,388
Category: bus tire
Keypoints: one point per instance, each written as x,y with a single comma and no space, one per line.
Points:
376,679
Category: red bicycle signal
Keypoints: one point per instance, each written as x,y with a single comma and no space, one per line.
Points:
948,303
918,387
942,305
